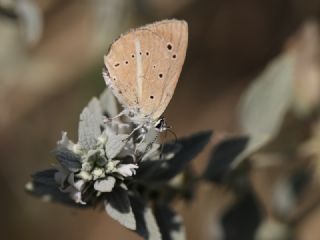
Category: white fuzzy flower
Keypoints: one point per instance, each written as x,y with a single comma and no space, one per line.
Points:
84,175
127,170
98,173
77,197
112,166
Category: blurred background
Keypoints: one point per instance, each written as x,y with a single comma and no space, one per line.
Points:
51,59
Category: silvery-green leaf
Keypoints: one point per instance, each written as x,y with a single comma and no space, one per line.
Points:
105,185
91,120
253,145
49,193
151,224
76,183
266,102
149,139
222,157
268,98
61,177
65,142
163,170
43,185
153,153
68,159
142,147
109,126
76,196
151,136
115,144
170,224
146,224
108,103
46,176
118,206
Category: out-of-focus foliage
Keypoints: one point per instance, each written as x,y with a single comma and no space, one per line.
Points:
279,114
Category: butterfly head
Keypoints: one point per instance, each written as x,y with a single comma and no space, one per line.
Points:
161,125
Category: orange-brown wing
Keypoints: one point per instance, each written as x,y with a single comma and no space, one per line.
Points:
175,35
144,65
134,63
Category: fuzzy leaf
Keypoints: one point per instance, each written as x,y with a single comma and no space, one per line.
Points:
266,102
115,144
105,185
160,171
146,223
150,139
108,103
65,142
43,185
45,176
67,159
169,222
91,120
118,206
222,157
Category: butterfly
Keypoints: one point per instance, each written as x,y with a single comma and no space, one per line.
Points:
142,69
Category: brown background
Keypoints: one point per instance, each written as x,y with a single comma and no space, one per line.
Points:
44,86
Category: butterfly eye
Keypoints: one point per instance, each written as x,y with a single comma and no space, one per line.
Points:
160,75
174,56
161,125
169,46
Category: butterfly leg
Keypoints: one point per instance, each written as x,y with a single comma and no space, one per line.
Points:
122,113
134,130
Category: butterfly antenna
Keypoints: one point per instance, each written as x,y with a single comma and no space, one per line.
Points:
174,134
162,144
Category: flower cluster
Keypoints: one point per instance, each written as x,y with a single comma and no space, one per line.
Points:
111,166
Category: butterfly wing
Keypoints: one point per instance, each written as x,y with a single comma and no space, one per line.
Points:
143,66
175,35
132,64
